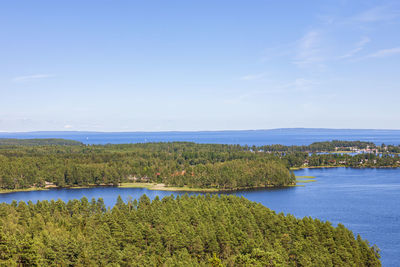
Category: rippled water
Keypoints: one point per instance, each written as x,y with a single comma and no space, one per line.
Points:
364,200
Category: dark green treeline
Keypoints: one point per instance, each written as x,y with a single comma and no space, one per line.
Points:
182,231
175,164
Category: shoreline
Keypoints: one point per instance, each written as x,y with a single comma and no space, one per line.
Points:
162,187
149,186
343,166
6,191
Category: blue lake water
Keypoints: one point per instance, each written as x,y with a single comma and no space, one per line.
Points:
296,136
364,200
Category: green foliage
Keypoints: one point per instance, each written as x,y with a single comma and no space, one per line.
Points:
363,160
326,146
175,164
38,142
182,231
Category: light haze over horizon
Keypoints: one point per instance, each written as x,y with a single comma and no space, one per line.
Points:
199,65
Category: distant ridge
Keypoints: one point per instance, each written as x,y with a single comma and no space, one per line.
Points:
37,142
199,131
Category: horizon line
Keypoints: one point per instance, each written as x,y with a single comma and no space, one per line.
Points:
194,131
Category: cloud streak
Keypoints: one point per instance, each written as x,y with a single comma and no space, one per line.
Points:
385,53
309,50
252,77
378,13
300,85
358,47
31,77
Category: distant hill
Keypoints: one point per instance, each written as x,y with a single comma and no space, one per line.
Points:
38,142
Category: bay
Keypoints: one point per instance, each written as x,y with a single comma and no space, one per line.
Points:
364,200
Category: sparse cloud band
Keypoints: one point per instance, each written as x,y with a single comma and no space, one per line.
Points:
251,77
31,77
385,53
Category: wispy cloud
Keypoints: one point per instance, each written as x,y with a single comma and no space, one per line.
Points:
385,53
358,47
252,77
309,50
238,99
281,50
31,77
378,13
301,84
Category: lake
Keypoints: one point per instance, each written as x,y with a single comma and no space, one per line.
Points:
364,200
295,136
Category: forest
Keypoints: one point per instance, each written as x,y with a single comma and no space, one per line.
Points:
198,230
28,164
38,142
326,146
174,164
362,160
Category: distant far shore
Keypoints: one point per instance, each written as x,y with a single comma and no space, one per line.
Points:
284,136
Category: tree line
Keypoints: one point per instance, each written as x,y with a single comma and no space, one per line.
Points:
175,164
326,146
38,142
362,160
182,231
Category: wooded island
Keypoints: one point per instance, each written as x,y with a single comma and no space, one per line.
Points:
41,163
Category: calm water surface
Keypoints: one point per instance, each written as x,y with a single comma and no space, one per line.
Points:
296,136
364,200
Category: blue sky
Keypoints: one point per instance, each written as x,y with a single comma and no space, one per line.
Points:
199,65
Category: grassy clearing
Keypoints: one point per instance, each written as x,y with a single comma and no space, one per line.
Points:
154,186
163,187
137,185
150,186
5,191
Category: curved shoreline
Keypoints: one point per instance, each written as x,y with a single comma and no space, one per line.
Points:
163,187
149,186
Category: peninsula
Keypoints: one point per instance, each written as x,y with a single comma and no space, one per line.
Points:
41,164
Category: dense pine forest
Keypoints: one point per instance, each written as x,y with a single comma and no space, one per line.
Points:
37,142
182,231
174,164
63,163
326,146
